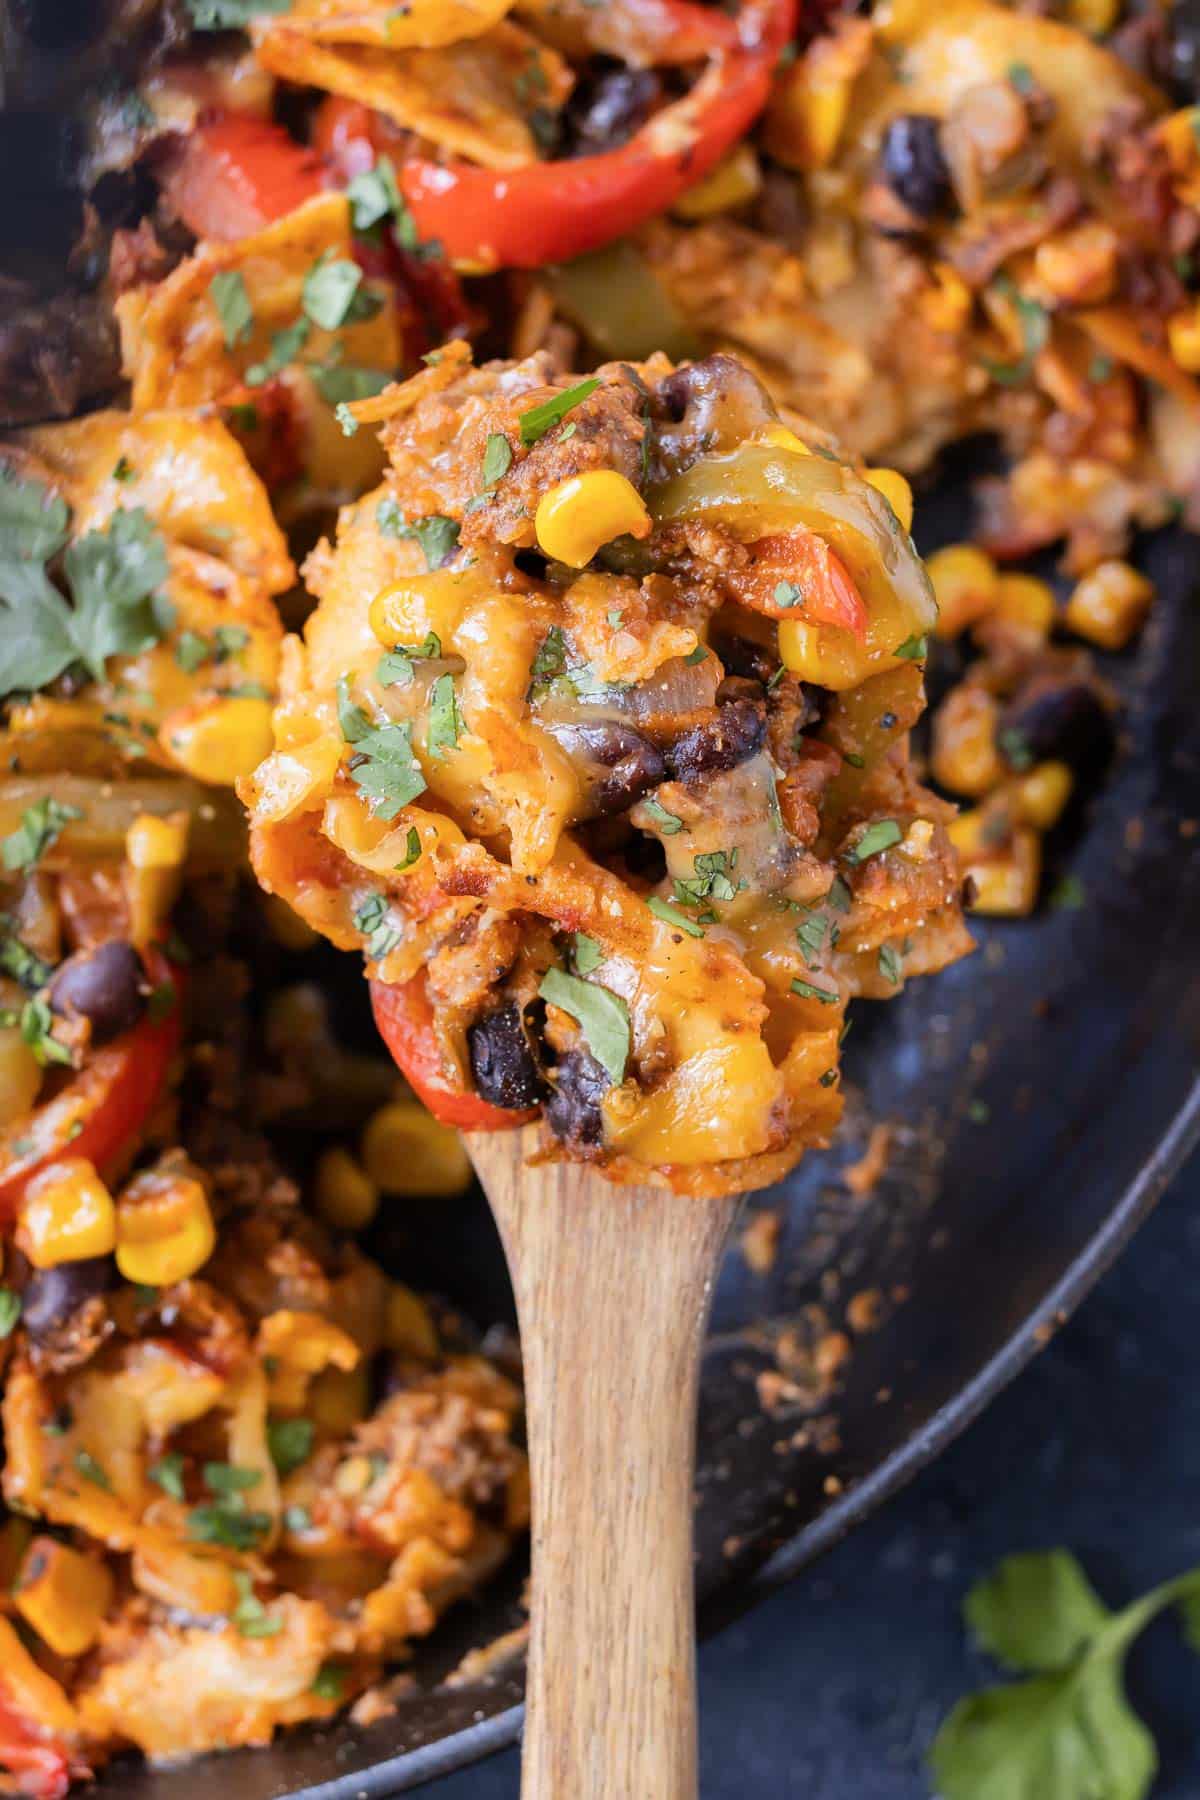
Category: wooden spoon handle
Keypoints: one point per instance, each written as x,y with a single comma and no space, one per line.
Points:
613,1288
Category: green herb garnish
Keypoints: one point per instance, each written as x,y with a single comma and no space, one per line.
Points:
586,953
538,420
671,915
879,836
913,649
91,1471
889,964
40,826
808,990
445,719
412,850
383,764
286,345
497,459
229,15
290,1442
602,1017
437,535
10,1311
167,1473
333,294
330,1681
668,822
229,296
786,593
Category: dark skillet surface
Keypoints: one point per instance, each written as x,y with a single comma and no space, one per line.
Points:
1040,1093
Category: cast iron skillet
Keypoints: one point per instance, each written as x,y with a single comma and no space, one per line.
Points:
1040,1096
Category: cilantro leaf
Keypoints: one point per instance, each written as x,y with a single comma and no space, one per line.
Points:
890,966
250,1615
445,719
383,764
330,1681
436,534
10,1311
882,835
113,575
913,649
497,459
1035,1611
229,296
586,953
227,15
602,1017
668,822
671,915
167,1473
38,830
290,1442
1069,1729
286,345
333,294
33,521
339,384
538,420
374,195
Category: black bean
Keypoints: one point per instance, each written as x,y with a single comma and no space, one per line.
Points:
502,1059
1184,54
104,986
573,1110
711,405
616,763
913,165
732,734
609,103
52,1295
1057,718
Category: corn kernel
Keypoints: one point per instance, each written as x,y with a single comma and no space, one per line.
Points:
779,437
67,1215
152,842
736,179
338,1400
1096,17
344,1194
222,740
1006,884
20,1076
1042,794
583,512
964,585
408,1324
823,655
63,1595
1024,600
391,612
947,305
406,1151
967,831
155,851
1183,336
895,490
965,757
165,1229
1109,605
808,112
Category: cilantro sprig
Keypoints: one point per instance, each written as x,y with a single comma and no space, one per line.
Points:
1068,1728
602,1017
38,831
383,764
113,577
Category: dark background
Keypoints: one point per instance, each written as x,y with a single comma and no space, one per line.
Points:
834,1687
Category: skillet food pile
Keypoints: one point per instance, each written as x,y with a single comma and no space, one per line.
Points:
455,467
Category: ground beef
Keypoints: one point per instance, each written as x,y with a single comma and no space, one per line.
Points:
56,354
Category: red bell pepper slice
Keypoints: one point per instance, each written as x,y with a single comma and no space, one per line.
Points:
41,1766
405,1020
551,211
236,173
820,590
100,1112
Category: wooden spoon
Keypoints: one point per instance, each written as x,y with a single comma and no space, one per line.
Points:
613,1286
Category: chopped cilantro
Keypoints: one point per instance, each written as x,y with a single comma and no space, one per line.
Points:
713,878
1070,895
586,953
286,345
445,719
167,1473
112,576
91,1471
437,535
330,1681
250,1615
913,649
290,1442
497,459
372,918
19,961
882,835
395,667
333,294
229,296
228,15
227,1522
374,195
37,1029
296,1518
538,420
10,1311
808,990
787,594
978,1112
668,822
229,1478
695,656
602,1017
811,937
1021,76
889,964
671,915
40,826
550,662
192,651
839,896
383,764
123,470
1016,748
339,383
